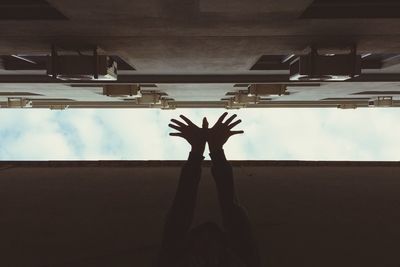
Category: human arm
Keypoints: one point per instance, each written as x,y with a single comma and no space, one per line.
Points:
180,215
234,216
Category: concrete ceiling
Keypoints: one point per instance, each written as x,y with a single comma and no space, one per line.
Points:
329,214
194,36
177,44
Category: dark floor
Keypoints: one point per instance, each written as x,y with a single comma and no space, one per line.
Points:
111,213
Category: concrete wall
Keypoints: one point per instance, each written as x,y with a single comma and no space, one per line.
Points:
106,214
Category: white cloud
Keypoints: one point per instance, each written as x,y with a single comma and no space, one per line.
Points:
270,134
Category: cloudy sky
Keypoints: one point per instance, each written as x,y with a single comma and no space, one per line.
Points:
136,134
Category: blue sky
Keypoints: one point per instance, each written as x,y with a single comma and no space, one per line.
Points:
142,134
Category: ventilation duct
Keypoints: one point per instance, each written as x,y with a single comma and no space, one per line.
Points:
167,104
325,66
18,102
382,101
58,107
150,97
121,90
347,106
240,99
82,68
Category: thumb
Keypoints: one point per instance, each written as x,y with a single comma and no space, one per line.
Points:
205,123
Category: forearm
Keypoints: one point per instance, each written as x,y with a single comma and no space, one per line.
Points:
181,213
185,198
223,176
234,216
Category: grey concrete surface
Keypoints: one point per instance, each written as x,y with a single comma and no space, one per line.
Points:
111,214
194,36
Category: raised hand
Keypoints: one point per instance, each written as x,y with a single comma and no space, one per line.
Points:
195,135
221,131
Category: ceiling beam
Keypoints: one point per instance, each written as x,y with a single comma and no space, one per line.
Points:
123,79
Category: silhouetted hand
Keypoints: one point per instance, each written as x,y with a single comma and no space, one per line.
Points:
221,131
195,135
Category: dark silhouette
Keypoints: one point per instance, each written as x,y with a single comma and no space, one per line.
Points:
207,244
